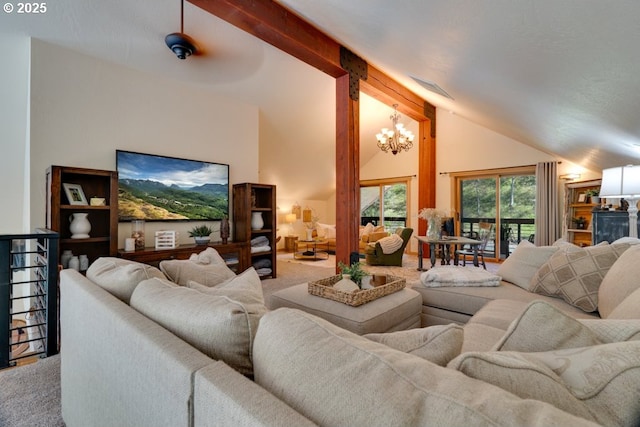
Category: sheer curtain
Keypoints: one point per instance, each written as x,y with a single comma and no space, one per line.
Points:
547,221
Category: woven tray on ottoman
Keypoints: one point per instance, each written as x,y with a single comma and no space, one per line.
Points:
324,288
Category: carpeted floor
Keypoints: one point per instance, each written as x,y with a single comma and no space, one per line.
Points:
30,395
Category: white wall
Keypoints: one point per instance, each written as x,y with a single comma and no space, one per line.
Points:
83,109
463,145
14,119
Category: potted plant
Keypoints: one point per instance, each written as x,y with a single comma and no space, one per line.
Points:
201,234
593,195
580,222
354,270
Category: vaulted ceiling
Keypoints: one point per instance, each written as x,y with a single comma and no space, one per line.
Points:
559,75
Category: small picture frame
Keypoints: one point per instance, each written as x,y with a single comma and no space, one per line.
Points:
74,193
582,197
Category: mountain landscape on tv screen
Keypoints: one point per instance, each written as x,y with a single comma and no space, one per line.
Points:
152,200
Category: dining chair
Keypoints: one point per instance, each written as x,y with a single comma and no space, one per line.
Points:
485,231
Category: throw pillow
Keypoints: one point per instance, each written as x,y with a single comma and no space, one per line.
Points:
621,280
629,308
335,377
523,263
438,344
614,330
575,275
244,288
207,268
600,383
219,326
120,276
627,239
560,331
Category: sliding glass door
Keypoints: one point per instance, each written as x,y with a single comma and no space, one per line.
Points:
505,199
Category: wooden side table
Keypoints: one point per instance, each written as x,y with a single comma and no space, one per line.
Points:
290,243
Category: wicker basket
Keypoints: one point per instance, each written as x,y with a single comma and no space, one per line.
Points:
324,288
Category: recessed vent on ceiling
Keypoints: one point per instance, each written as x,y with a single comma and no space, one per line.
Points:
431,86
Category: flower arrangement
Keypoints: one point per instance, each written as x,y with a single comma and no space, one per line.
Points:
311,225
431,214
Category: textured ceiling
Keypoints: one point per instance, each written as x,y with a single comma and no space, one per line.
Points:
559,75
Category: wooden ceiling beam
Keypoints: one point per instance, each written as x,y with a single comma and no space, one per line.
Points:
279,27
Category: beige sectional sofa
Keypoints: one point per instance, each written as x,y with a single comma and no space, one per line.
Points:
166,367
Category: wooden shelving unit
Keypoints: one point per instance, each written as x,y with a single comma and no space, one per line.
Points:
256,198
103,240
576,206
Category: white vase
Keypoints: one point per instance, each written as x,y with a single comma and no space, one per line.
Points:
256,221
309,234
80,226
65,257
74,263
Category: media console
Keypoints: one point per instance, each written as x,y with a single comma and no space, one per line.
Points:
236,254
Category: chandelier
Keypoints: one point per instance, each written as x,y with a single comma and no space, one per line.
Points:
396,139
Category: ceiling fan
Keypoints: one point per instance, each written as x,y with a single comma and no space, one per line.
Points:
180,43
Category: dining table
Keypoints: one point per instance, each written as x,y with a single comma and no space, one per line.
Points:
448,244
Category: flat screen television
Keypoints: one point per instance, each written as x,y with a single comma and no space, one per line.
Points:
161,188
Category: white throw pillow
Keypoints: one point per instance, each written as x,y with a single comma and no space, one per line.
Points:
438,344
220,326
246,287
560,330
524,262
600,382
207,268
120,276
622,279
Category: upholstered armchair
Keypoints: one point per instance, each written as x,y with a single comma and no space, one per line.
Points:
375,256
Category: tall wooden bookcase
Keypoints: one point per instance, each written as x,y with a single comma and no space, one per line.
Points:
103,237
577,205
250,199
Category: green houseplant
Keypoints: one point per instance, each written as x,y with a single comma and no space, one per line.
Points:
580,222
201,234
354,270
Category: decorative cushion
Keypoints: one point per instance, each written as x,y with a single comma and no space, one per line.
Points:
326,231
438,344
614,330
246,288
207,268
575,275
524,262
627,239
222,327
629,308
451,275
600,383
559,331
337,378
622,279
120,276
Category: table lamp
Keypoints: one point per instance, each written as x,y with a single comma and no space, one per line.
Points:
623,182
290,219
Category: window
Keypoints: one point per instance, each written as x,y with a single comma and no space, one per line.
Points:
385,202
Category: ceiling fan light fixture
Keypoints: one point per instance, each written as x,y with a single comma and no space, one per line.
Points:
180,44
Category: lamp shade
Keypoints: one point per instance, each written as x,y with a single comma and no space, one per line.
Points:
623,181
290,218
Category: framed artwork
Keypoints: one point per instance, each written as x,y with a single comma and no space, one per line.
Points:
582,197
74,193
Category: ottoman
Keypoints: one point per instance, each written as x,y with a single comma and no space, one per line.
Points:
394,312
